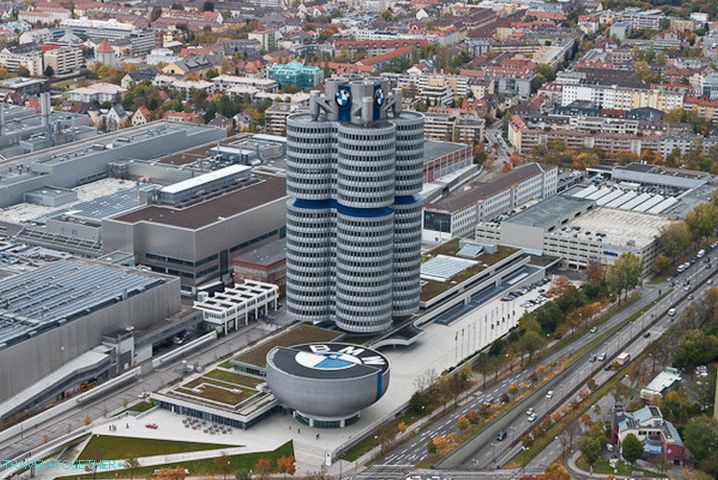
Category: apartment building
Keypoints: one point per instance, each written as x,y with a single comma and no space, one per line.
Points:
22,56
457,214
64,60
454,128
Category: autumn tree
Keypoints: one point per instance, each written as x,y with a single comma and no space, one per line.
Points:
286,465
556,471
702,220
624,274
263,467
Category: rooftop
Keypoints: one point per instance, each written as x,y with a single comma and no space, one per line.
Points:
432,288
296,335
265,255
478,191
612,225
547,213
434,149
266,189
63,291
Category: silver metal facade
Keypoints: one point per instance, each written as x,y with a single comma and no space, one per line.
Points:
354,172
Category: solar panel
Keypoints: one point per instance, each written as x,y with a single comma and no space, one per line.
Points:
442,267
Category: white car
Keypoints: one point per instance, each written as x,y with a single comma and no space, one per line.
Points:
532,418
549,394
594,329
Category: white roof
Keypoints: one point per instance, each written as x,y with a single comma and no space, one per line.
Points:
205,178
100,87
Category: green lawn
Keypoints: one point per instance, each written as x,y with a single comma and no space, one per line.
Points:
141,406
244,461
235,378
301,333
108,447
622,468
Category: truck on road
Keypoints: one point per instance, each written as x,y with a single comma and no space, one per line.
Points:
623,358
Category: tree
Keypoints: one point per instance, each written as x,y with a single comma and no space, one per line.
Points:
556,471
242,474
462,422
675,239
49,72
590,449
222,465
131,464
624,274
695,348
631,448
208,6
531,342
22,72
700,436
286,465
263,467
702,220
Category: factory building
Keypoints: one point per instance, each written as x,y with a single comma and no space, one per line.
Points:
58,322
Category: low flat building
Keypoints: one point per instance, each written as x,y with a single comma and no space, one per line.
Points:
665,381
236,306
55,314
457,214
577,231
267,264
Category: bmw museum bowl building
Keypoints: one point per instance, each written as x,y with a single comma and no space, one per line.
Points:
327,384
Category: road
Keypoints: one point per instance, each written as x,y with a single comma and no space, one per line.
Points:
399,462
502,149
404,457
74,418
498,453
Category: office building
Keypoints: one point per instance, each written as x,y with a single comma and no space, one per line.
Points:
354,169
457,214
295,74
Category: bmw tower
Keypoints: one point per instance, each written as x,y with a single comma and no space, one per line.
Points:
354,172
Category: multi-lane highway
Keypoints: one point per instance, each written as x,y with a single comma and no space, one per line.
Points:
489,453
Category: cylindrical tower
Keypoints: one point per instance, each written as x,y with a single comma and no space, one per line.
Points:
310,270
311,157
354,172
365,269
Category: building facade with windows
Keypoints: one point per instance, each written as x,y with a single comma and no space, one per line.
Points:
354,172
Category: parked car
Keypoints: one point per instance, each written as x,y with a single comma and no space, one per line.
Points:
549,394
594,329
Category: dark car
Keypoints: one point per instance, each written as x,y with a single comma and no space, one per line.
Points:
501,436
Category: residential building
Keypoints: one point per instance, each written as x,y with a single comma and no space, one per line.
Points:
191,64
64,60
226,83
667,380
659,437
140,117
45,15
28,56
138,76
267,39
99,92
276,118
354,171
105,54
295,74
454,128
620,30
458,213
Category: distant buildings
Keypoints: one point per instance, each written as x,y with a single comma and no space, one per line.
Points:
97,92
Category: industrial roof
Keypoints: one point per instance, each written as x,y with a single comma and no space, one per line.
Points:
442,267
434,149
63,291
477,191
268,189
550,211
205,178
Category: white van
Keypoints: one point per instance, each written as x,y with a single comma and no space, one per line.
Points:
671,312
701,254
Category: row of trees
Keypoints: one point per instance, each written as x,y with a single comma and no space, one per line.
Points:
679,238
